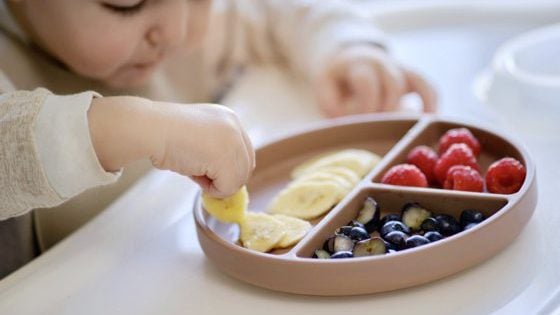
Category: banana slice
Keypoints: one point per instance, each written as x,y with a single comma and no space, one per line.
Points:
307,200
359,161
295,230
321,176
337,173
261,232
343,172
228,210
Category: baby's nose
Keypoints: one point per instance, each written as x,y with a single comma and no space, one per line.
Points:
155,38
169,30
162,41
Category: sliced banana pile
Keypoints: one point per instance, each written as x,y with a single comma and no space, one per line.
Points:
357,160
317,186
320,183
259,231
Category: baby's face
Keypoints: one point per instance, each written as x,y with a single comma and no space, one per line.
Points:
119,42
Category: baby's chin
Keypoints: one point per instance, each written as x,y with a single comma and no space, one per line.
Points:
129,77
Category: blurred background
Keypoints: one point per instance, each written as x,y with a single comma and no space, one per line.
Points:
459,46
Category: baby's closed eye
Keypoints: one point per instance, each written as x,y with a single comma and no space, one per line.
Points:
125,8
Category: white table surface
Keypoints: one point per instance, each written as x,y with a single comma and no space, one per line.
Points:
141,255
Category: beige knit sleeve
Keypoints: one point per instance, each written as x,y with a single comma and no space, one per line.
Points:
46,153
301,33
23,183
5,84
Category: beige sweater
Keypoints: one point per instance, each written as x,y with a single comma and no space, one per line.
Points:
46,156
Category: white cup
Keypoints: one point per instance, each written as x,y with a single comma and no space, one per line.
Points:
525,83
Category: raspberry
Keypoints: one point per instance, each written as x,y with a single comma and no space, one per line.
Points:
457,154
425,159
465,178
405,175
458,135
505,176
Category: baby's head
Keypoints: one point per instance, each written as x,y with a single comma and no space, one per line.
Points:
119,42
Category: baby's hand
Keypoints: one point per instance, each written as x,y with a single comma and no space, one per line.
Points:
364,79
207,143
203,141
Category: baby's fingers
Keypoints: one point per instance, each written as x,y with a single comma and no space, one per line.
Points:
250,154
227,181
329,96
203,181
366,87
231,168
394,86
416,84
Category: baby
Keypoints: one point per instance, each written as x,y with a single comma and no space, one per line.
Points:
68,124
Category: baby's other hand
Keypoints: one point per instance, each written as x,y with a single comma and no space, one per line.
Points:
364,79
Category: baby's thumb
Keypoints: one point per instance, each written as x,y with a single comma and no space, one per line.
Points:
208,187
416,84
221,186
204,182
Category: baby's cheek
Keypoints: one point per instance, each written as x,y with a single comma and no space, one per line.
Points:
102,57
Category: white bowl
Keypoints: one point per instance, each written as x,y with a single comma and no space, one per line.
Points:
525,84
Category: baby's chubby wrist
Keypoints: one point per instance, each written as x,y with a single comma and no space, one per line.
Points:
123,129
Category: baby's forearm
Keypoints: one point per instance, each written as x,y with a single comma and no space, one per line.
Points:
123,129
203,141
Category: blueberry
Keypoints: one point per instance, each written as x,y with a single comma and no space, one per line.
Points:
396,238
416,240
430,224
321,254
447,225
469,226
355,223
359,234
343,230
343,254
394,226
433,236
369,215
391,247
471,216
413,215
370,247
390,217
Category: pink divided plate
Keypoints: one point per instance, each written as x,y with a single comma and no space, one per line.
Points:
391,136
